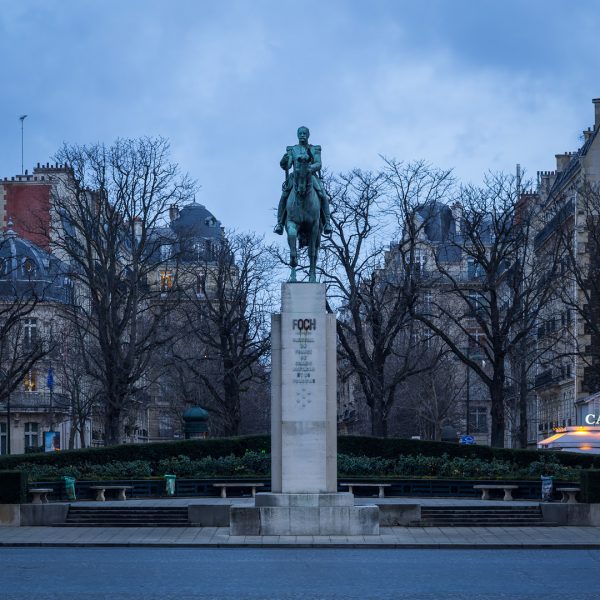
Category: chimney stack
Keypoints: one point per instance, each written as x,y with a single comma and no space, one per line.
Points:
596,102
173,212
562,160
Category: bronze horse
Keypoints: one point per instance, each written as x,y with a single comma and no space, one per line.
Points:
303,218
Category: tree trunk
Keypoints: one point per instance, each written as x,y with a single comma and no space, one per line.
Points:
82,432
378,421
232,400
112,426
498,425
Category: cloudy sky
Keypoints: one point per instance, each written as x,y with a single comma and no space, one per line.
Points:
469,85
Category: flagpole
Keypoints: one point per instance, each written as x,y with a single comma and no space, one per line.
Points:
22,118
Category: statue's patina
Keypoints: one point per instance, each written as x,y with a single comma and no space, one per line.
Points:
304,206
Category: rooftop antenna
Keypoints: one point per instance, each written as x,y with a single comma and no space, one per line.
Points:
22,118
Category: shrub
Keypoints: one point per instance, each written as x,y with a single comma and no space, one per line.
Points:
213,457
590,486
150,453
12,487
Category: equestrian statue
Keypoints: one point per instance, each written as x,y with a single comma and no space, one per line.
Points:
304,206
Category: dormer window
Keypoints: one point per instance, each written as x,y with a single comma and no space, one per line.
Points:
166,251
29,267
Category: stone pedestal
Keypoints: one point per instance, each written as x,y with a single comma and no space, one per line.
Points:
304,514
303,392
304,498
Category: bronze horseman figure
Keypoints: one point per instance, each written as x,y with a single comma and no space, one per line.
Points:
304,206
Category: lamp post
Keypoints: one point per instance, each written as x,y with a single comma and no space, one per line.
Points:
8,424
50,384
3,374
468,432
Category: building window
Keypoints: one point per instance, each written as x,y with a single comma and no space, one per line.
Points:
477,302
3,438
30,381
200,285
31,435
29,333
166,251
420,261
166,281
478,419
165,425
474,269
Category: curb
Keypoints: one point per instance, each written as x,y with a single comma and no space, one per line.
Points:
337,546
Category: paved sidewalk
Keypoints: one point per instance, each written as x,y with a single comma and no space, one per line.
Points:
391,537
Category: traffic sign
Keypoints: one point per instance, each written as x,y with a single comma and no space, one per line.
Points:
467,439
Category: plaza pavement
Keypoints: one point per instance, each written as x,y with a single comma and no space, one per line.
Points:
390,537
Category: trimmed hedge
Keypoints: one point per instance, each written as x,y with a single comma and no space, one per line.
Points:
590,485
258,464
153,453
386,448
394,447
12,487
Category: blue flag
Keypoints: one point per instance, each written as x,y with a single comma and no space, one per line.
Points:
50,379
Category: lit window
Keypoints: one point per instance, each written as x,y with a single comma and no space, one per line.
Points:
166,281
29,383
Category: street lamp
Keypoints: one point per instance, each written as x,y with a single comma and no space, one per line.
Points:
3,374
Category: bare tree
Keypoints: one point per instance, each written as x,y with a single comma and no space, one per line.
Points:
434,398
373,289
227,304
79,389
105,218
493,305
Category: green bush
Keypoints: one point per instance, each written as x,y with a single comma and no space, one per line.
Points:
257,464
410,458
150,453
12,487
396,447
590,486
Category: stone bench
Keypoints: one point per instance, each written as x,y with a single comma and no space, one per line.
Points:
485,489
100,489
243,484
568,494
40,495
381,486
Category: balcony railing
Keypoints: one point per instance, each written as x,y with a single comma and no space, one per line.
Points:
36,401
544,378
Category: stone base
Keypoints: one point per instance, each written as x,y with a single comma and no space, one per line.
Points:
304,514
